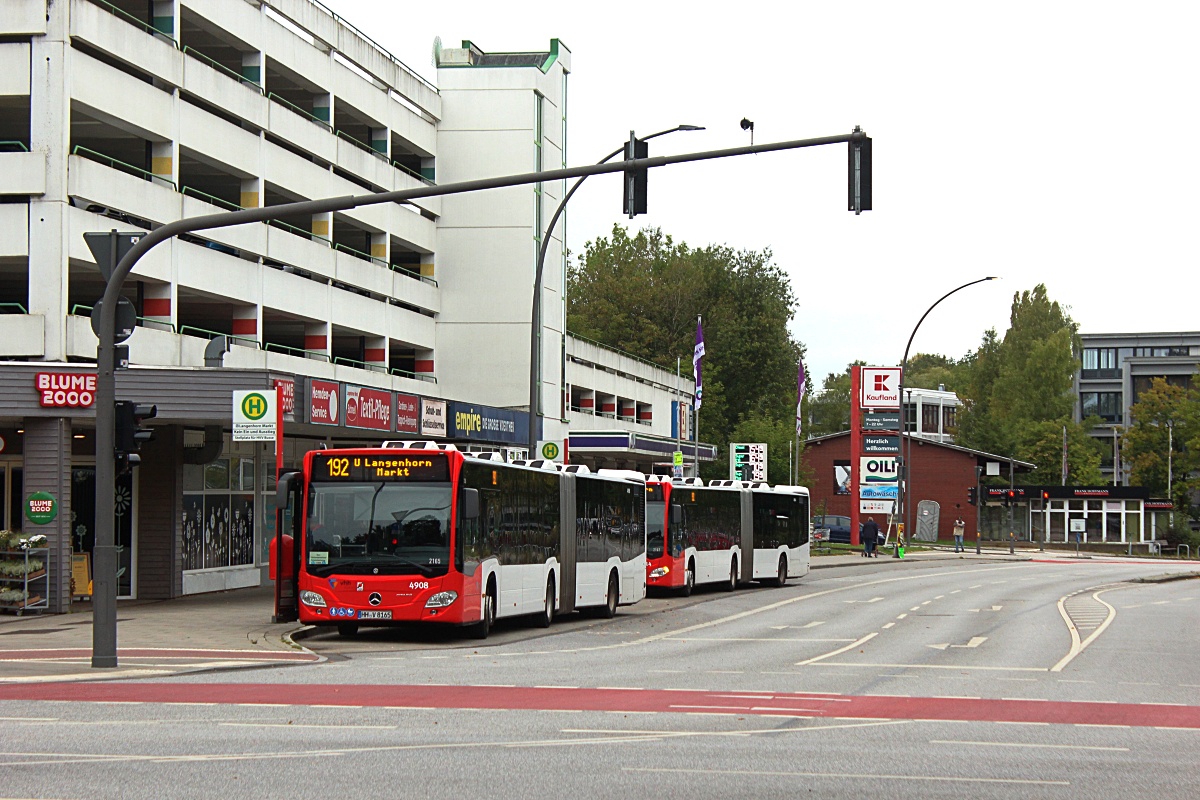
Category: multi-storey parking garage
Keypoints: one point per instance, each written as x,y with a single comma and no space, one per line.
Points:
127,115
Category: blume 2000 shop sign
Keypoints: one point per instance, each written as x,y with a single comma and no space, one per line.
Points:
66,389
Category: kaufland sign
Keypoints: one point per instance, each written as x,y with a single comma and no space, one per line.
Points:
880,387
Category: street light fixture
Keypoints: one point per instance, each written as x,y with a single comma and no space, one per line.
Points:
902,488
535,327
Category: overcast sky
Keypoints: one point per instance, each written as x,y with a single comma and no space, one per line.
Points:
1041,142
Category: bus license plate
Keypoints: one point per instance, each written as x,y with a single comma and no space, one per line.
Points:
374,615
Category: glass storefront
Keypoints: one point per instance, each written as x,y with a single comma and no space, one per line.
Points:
83,523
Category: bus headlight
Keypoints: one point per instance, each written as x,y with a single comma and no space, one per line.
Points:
312,599
441,599
659,572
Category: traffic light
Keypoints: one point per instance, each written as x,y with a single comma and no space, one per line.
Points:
972,496
635,179
1010,497
859,173
129,433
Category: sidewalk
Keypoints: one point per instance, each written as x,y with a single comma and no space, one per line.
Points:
223,630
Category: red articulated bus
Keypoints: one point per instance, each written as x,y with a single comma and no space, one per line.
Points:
425,533
728,532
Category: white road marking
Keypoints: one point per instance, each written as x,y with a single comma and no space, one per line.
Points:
872,600
318,727
975,642
863,775
937,666
902,616
1078,646
890,624
839,651
745,639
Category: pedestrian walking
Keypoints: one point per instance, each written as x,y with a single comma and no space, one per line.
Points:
960,527
870,537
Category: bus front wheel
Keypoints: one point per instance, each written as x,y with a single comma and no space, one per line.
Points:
347,629
781,576
689,580
481,629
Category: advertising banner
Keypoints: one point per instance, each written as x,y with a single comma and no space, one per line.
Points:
66,389
433,417
880,387
878,492
881,421
487,424
370,409
324,402
877,471
408,414
880,444
876,506
287,387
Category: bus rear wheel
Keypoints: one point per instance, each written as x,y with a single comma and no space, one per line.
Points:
609,609
547,616
732,584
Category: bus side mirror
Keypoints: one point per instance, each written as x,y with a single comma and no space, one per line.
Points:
284,488
469,503
676,514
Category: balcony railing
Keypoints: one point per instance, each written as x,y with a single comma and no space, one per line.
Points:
293,107
145,26
219,67
92,155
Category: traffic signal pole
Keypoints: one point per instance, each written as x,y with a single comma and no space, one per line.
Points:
104,600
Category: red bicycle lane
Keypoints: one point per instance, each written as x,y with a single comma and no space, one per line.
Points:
628,700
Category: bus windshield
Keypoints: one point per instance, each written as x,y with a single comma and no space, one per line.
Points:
654,528
378,528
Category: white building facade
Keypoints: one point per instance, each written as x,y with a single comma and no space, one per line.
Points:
385,321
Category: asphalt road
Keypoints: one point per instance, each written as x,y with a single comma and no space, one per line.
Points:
927,679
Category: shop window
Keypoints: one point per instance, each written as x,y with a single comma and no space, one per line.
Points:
218,514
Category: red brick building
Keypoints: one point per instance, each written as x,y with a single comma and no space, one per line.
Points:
938,472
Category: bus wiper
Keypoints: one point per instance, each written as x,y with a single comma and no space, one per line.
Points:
395,560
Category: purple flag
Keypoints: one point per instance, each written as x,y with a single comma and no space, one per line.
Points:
696,356
799,396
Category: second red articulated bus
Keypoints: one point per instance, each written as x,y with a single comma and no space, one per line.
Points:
726,533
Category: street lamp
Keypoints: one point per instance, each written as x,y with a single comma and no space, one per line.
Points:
902,488
535,328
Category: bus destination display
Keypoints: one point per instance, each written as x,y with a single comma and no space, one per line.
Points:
367,468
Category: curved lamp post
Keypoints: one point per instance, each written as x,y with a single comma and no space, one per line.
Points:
903,487
535,328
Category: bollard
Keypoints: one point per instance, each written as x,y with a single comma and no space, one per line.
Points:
977,534
1012,539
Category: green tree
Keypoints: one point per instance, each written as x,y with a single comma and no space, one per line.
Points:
643,293
1145,445
828,411
1019,392
926,371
